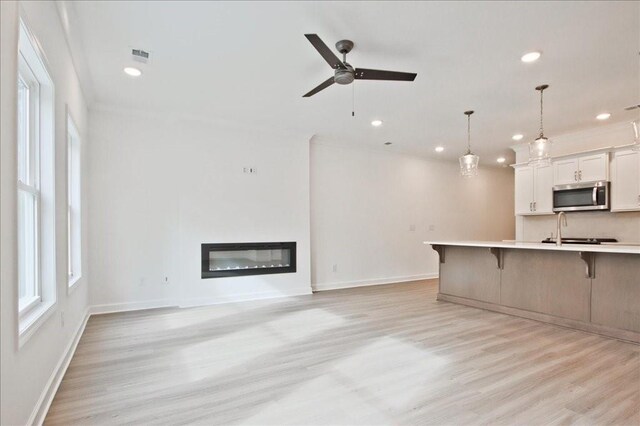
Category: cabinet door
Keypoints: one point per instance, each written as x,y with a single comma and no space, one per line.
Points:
625,181
593,167
543,190
565,171
524,190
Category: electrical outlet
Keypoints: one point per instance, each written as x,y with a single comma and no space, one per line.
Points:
335,267
250,170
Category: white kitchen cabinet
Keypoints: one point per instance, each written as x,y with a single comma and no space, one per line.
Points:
534,190
581,168
543,190
593,167
565,171
524,190
625,180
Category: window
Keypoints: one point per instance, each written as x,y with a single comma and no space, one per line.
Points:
28,187
35,186
74,238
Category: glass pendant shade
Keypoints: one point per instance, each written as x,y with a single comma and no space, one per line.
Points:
636,135
540,149
469,161
469,164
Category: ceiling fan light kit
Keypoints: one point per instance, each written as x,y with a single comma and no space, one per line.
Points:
540,149
469,161
343,72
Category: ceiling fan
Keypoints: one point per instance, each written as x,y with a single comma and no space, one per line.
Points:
344,73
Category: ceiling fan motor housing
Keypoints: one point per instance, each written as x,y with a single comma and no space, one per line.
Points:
344,76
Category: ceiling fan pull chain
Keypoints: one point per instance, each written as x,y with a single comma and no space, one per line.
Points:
353,99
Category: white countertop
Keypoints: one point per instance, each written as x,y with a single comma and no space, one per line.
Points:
594,248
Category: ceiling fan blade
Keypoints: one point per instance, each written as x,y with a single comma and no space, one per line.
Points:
367,74
328,82
326,53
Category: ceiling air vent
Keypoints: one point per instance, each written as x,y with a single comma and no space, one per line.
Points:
632,107
140,55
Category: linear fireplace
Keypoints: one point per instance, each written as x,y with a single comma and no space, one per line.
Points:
234,259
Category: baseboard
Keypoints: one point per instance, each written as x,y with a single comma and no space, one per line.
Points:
110,308
46,398
364,283
191,303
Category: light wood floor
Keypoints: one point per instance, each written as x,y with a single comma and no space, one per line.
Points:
372,355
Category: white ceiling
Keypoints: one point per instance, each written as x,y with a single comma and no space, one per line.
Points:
250,62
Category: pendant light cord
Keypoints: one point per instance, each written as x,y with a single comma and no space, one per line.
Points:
468,114
541,89
541,130
469,133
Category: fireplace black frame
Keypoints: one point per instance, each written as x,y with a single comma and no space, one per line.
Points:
206,248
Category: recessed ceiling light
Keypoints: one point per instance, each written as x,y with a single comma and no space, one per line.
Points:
501,160
376,123
388,143
133,72
439,148
603,116
517,137
530,57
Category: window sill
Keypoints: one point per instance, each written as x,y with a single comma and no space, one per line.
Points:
32,322
73,283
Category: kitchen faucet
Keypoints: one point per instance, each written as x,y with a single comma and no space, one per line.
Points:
561,215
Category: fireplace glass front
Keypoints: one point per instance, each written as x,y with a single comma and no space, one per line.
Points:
232,259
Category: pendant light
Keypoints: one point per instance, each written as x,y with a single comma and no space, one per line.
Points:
539,150
636,134
469,161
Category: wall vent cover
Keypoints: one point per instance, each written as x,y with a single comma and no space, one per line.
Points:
140,55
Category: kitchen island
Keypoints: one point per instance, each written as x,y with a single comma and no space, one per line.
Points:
594,288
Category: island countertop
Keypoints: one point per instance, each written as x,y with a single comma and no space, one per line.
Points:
593,248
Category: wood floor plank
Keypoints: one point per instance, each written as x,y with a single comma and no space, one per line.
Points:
372,355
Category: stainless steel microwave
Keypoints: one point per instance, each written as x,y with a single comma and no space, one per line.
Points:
581,196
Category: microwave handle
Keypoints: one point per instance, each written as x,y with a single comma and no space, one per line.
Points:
594,196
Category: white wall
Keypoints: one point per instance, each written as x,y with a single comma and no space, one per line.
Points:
364,203
624,226
161,186
27,371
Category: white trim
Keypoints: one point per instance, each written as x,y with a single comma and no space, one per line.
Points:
31,322
109,308
378,281
244,297
74,251
46,398
73,284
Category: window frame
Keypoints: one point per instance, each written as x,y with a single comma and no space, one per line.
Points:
30,320
32,187
74,193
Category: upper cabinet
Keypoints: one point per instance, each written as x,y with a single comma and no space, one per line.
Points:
581,168
534,190
625,180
